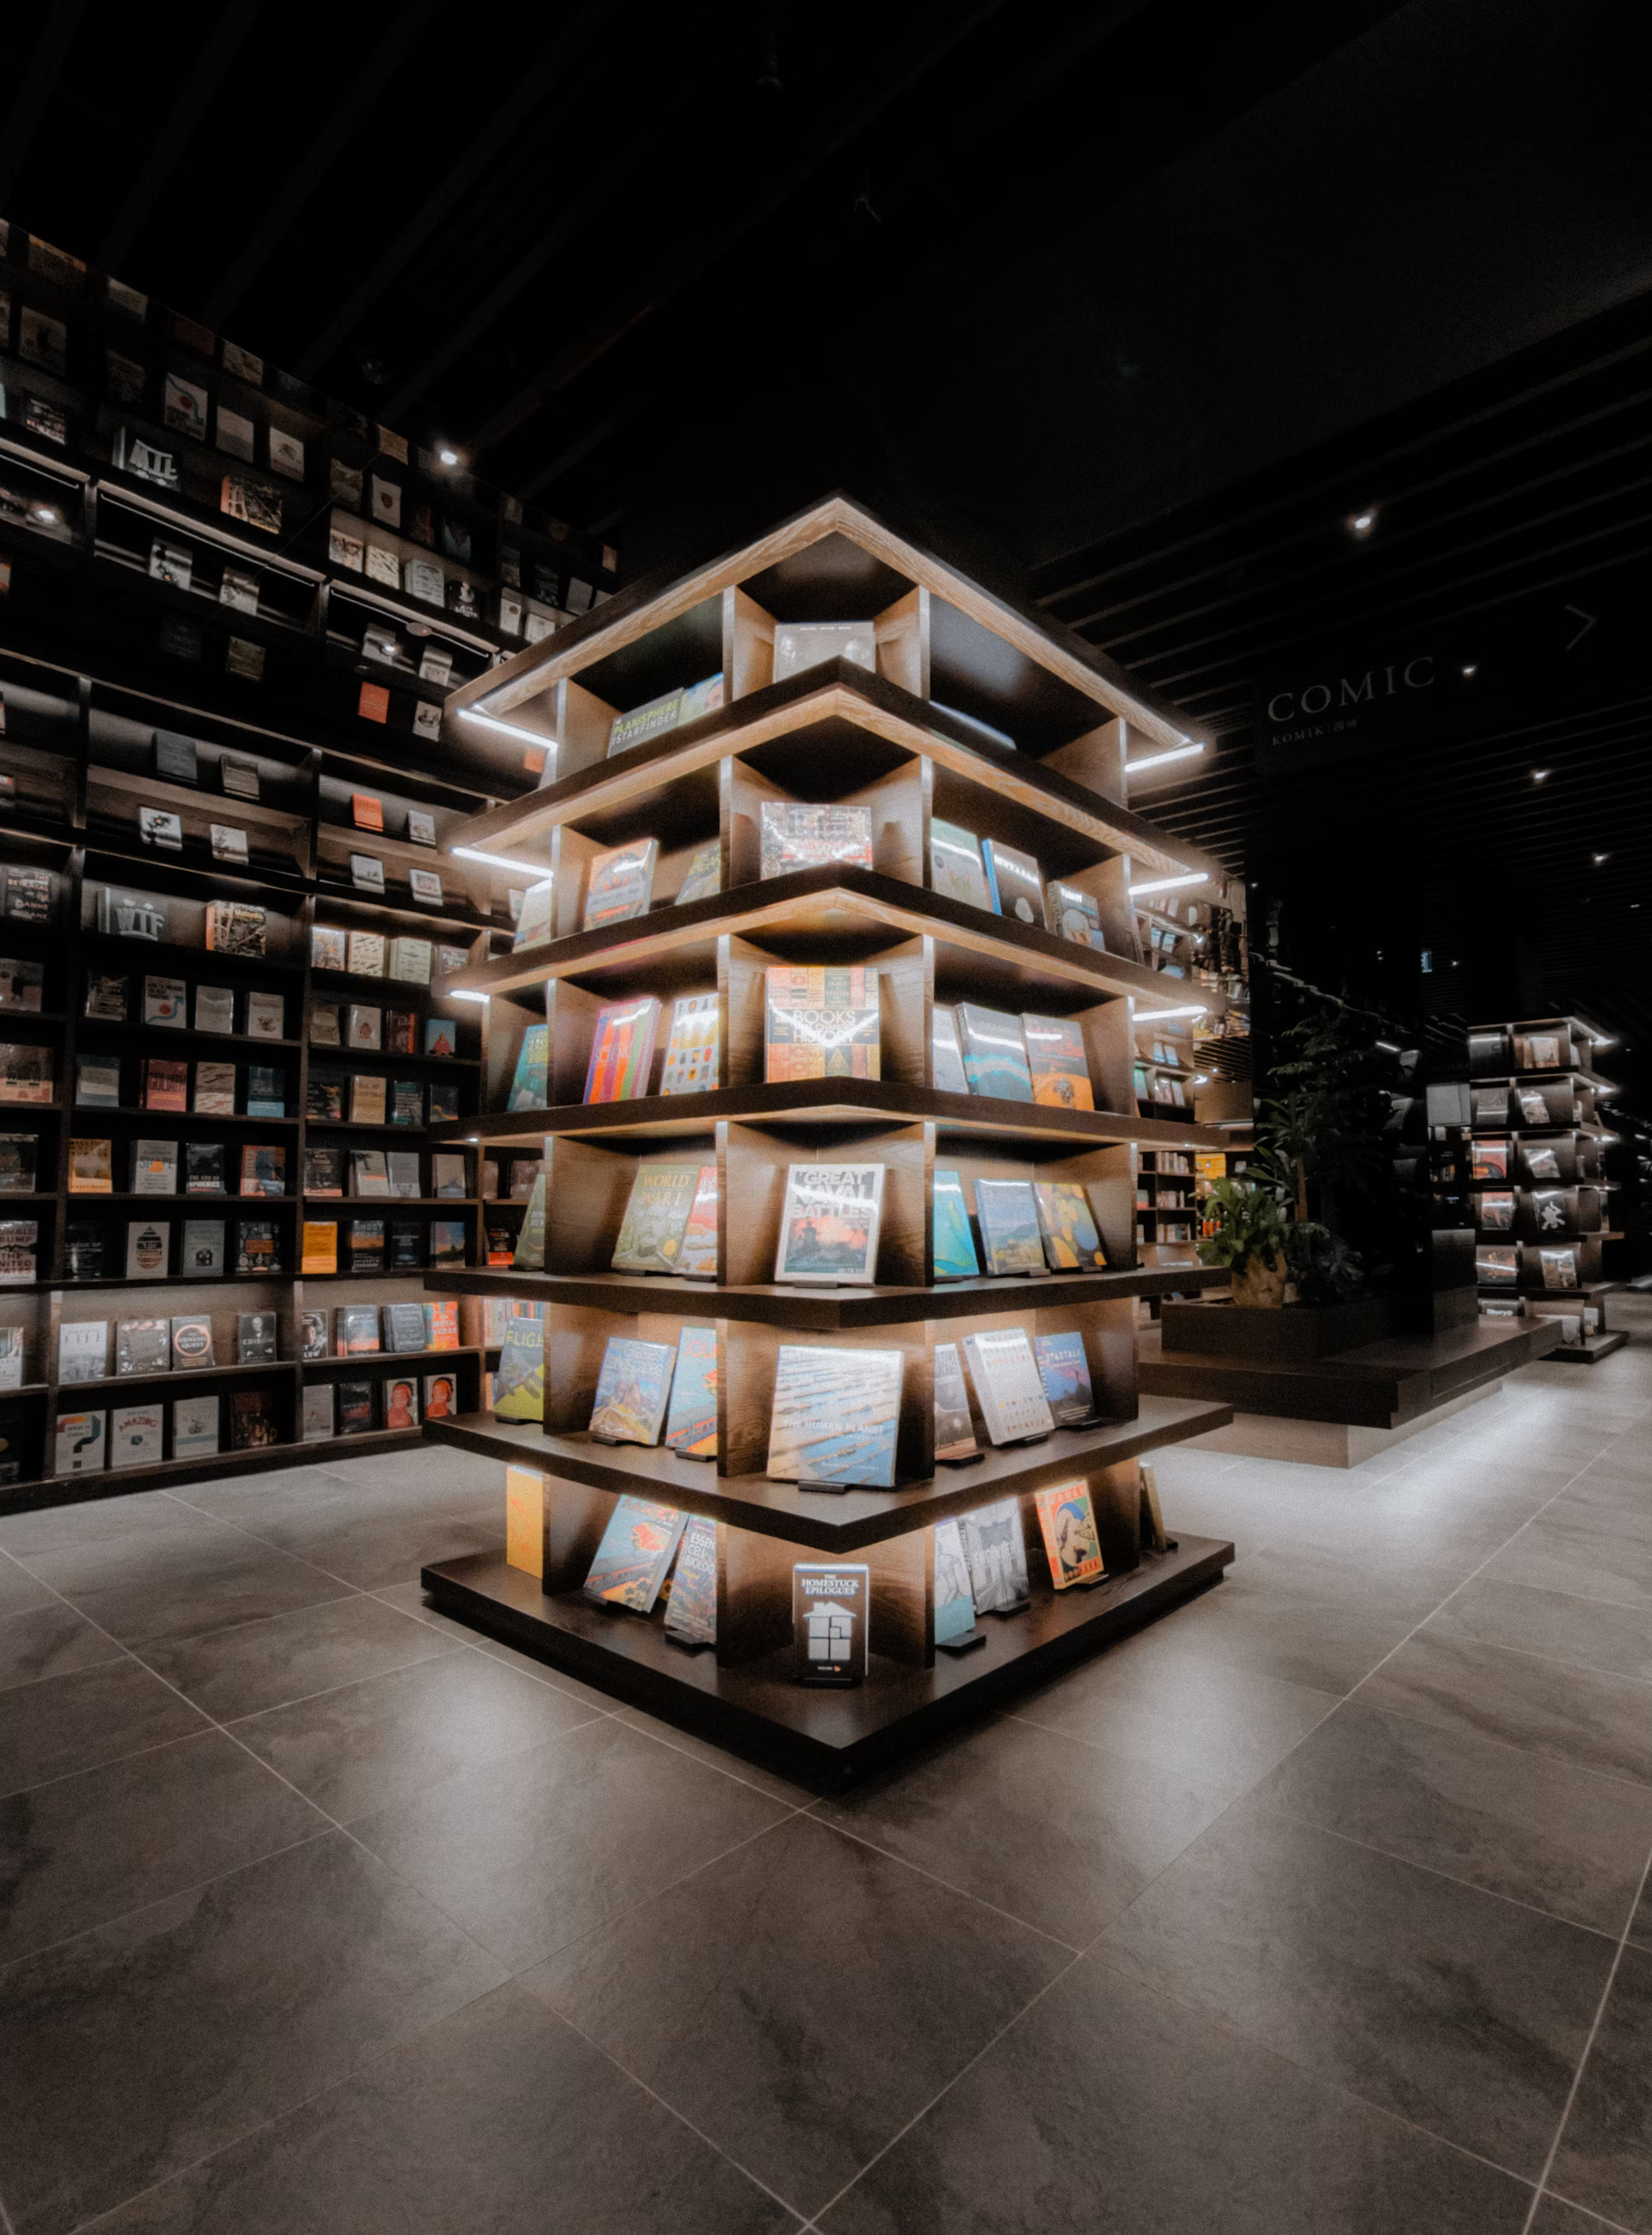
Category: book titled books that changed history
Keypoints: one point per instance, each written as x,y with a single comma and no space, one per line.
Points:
622,1050
799,837
829,1227
821,1023
835,1416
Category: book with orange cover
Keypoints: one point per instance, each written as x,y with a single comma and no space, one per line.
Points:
821,1023
166,1083
1055,1056
622,1050
1071,1544
320,1246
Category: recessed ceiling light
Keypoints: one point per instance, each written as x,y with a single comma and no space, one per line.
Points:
1599,858
1361,523
1473,668
1539,775
448,455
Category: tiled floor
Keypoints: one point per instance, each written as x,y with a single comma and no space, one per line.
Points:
1319,1909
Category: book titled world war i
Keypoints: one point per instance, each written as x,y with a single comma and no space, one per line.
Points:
622,1050
651,1233
835,1416
691,1610
1067,1522
831,1605
995,1549
821,1023
1011,1238
1065,1371
955,867
1055,1059
955,1439
690,1423
1071,1242
799,837
638,1547
632,1391
994,1053
691,1065
954,1244
1009,1387
620,883
1014,883
829,1227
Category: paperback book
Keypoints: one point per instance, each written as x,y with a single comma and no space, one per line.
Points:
1071,1242
994,1053
1011,1237
830,1612
637,1549
1009,1387
1055,1059
622,1050
690,1064
690,1608
955,1439
798,837
836,1417
651,1233
1067,1523
690,1423
954,1244
995,1550
1065,1371
620,884
632,1391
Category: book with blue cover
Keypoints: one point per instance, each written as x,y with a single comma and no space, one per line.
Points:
955,1599
530,1088
691,1609
1065,1371
631,1390
1013,881
994,1053
1011,1236
638,1547
954,1244
691,1425
835,1416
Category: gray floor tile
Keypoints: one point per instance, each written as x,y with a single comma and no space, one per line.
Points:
177,1582
234,1497
230,1673
439,2136
18,1589
49,1640
1555,2216
715,1756
1461,2012
1062,1836
801,2000
137,1515
1588,1716
85,1849
137,2048
1604,2160
1557,1554
368,1745
383,1548
1107,2107
1558,1624
533,1852
91,1715
1541,1831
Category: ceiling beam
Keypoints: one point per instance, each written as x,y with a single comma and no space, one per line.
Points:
35,89
221,47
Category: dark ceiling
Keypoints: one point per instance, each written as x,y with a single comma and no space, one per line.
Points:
1132,303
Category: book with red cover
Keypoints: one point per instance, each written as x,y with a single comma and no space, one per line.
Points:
622,1050
166,1084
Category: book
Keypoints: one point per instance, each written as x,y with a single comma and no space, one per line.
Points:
202,1252
1007,1384
440,1037
690,1423
366,1100
995,1551
440,1397
215,1010
425,886
26,1073
534,925
147,1245
365,1026
235,926
1497,1212
214,1090
258,1249
255,1339
637,1548
404,1326
355,1331
798,837
327,947
175,757
1541,1161
1014,882
319,1421
264,1169
366,812
204,1168
82,1250
691,1065
955,1437
354,1408
90,1168
620,884
166,1083
631,1390
367,872
955,1602
830,1613
622,1051
529,1086
668,711
266,1092
137,1435
81,1443
835,1415
18,1154
407,1102
1011,1238
364,952
238,779
312,1333
690,1608
1071,1242
97,1082
194,1427
239,590
1072,914
946,1056
704,876
23,984
158,828
82,1350
1064,1372
1558,1267
1055,1059
1547,1208
192,1340
142,1347
1498,1268
821,1023
398,1032
448,1173
447,1242
411,960
401,1167
519,1387
1067,1523
828,1226
994,1053
401,1394
651,1233
954,1244
266,1016
421,827
251,1420
18,1237
955,867
29,900
366,1245
406,1245
1534,1105
441,1104
699,1257
105,998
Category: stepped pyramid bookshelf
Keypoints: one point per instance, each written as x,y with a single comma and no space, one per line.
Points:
1542,1222
915,723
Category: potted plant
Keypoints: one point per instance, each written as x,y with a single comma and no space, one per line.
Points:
1249,1239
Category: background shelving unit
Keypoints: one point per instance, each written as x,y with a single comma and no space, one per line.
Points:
924,734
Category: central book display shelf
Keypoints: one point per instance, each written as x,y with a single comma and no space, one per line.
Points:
919,738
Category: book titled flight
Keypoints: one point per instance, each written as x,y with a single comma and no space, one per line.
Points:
519,1387
836,1417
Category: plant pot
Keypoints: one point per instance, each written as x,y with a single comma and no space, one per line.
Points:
1261,1285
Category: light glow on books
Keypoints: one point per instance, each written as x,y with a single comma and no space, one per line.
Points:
460,994
1186,752
510,728
538,870
1171,884
1151,1016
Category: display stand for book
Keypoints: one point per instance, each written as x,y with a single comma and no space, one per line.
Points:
1555,1175
922,735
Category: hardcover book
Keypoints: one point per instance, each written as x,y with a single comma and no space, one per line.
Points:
354,1408
324,1099
1014,883
204,1168
26,1073
367,872
194,1426
29,900
955,1617
401,1166
830,1611
214,1090
426,886
1008,1387
82,1350
691,1609
994,1053
835,1416
1534,1107
1011,1239
529,1088
202,1252
620,884
821,1023
312,1334
1055,1058
954,1244
142,1347
440,1037
669,711
691,1423
704,874
18,1153
632,1390
318,1424
401,1401
1072,914
955,1437
1065,1371
651,1233
798,837
264,1170
946,1055
366,1245
412,961
369,1175
829,1227
1498,1269
995,1550
533,924
447,1242
251,1420
366,1100
1071,1242
90,1168
440,1397
691,1065
399,1031
955,867
447,1174
1497,1212
364,1026
23,984
255,1339
136,1435
146,1247
320,1246
441,1104
1558,1267
699,1257
404,1326
1541,1161
519,1387
441,1324
156,827
1067,1522
192,1340
622,1050
235,926
80,1445
355,1331
215,1010
1489,1160
638,1546
97,1084
105,997
365,954
327,947
175,757
1491,1105
407,1102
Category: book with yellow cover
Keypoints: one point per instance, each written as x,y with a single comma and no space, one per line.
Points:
1071,1544
821,1023
525,1520
1055,1056
320,1246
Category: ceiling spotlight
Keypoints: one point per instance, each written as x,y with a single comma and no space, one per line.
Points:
46,516
1599,858
1539,775
1362,522
1473,668
448,455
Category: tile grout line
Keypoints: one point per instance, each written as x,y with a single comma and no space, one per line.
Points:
948,1885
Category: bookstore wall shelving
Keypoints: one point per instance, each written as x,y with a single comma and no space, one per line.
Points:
822,756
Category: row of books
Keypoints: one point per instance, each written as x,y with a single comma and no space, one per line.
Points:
196,1248
183,1343
29,894
376,1172
233,928
376,1100
1496,1160
378,1245
28,1073
384,1032
1501,1265
1523,1106
154,1166
363,1330
135,1435
160,829
218,1092
164,1003
1497,1051
1553,1210
370,955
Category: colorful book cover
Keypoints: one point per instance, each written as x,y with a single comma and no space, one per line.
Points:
1559,1268
994,1053
519,1387
651,1233
955,868
1071,1544
1008,1387
1072,915
620,884
690,1608
704,874
1541,1161
1014,882
638,1547
1065,1371
631,1390
821,1023
622,1050
529,1254
955,1436
441,1324
1497,1212
699,1260
1489,1160
691,1423
835,1416
828,1228
320,1252
954,1244
691,1065
1071,1242
82,1444
1011,1238
166,1083
530,1089
830,1613
946,1055
1055,1058
954,1600
798,837
524,1517
995,1549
